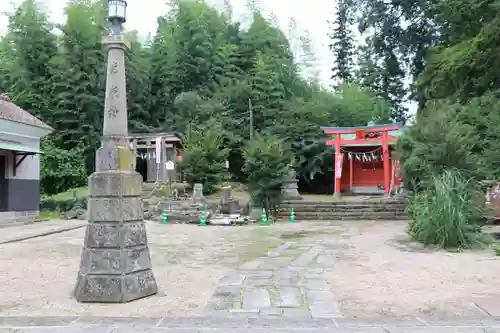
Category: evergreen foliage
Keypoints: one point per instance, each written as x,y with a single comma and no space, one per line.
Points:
199,66
267,161
204,156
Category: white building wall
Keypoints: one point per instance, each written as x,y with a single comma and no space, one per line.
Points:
22,187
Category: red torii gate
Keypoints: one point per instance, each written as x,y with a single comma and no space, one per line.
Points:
369,157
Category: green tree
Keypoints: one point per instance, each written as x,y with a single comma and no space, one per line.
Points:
342,44
204,156
137,64
78,80
30,46
268,93
266,162
435,144
165,77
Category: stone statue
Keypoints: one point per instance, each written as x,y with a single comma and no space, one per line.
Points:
290,188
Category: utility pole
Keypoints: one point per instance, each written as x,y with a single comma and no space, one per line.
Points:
251,117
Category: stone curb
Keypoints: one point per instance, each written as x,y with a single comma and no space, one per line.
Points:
42,234
234,322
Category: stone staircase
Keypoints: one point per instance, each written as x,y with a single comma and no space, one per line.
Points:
369,209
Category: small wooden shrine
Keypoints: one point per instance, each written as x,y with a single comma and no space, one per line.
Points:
363,160
157,156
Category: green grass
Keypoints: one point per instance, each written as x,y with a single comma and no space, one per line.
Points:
496,249
445,215
44,215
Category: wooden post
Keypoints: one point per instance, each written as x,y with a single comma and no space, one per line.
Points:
387,162
163,160
337,151
250,110
134,148
351,174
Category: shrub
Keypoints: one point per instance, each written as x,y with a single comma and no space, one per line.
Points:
61,169
161,190
65,201
204,157
447,214
266,163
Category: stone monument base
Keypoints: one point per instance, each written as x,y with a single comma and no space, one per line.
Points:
115,289
115,265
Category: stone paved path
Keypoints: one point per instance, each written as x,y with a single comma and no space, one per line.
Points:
290,281
241,325
19,233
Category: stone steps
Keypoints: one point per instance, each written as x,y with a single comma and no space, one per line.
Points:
345,203
322,216
343,209
379,209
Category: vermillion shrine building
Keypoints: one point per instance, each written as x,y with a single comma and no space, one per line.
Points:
363,158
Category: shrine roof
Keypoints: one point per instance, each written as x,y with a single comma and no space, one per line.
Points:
12,112
379,127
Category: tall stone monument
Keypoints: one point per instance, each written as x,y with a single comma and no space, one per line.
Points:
115,265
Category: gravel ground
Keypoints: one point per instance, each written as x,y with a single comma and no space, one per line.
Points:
37,276
376,275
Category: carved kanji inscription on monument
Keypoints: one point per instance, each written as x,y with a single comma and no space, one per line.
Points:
112,111
114,92
114,67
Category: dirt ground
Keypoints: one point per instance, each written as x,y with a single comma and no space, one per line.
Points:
379,274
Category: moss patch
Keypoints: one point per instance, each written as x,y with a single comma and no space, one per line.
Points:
274,295
312,233
260,241
259,250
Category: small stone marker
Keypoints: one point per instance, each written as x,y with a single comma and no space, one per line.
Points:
227,194
198,194
228,205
